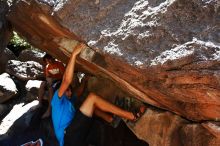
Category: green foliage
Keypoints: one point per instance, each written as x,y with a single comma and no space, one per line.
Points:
18,42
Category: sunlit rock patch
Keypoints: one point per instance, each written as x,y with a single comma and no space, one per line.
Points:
211,51
8,88
24,70
17,111
32,88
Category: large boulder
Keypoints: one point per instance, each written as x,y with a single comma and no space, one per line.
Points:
5,55
24,71
8,88
162,52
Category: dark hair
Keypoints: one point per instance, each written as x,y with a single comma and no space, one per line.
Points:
47,56
57,85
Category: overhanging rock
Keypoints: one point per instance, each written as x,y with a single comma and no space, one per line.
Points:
165,53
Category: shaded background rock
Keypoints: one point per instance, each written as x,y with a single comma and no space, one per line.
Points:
31,55
105,88
4,109
110,91
5,56
5,27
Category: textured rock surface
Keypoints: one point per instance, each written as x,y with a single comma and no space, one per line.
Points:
5,55
32,88
195,134
29,70
7,88
177,40
164,128
31,55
